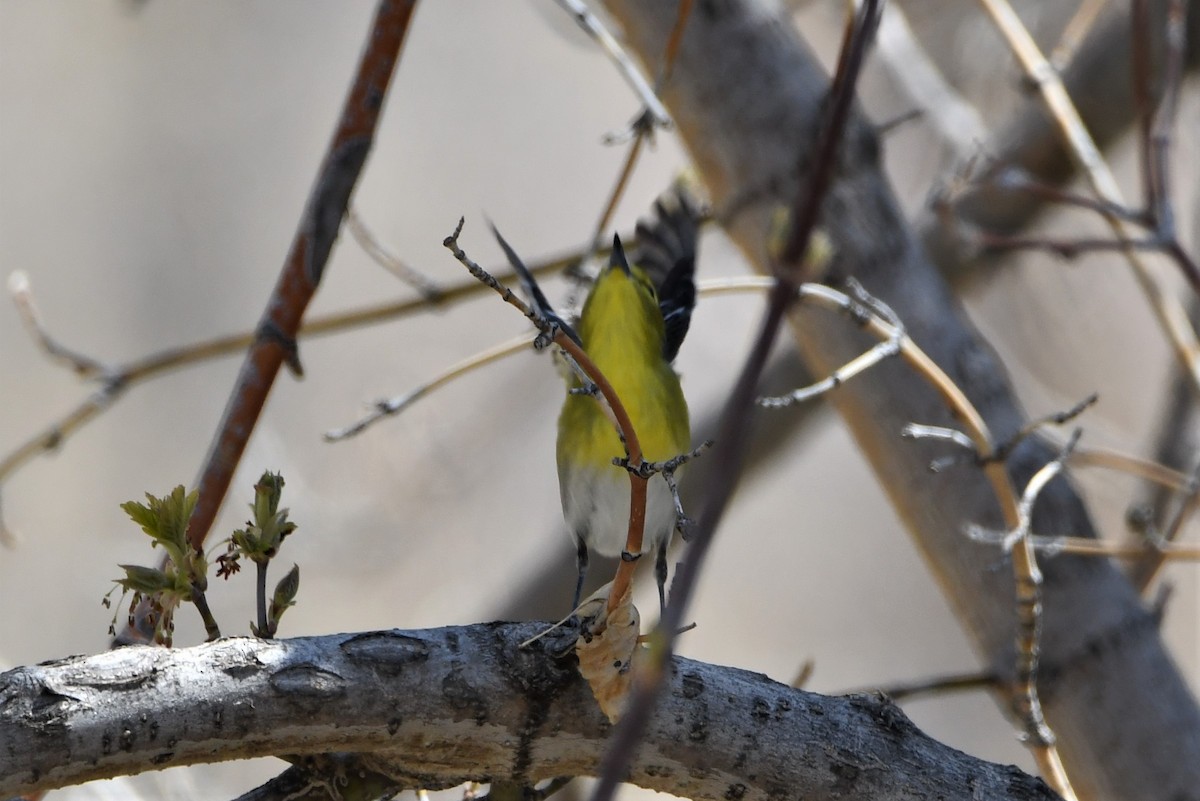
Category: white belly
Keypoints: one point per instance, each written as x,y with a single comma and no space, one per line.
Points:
596,507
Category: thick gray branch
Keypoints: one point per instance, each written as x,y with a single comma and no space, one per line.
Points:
439,707
746,95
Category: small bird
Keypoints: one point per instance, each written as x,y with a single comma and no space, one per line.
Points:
632,324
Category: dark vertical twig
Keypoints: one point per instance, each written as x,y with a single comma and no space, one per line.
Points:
1159,144
1143,104
260,593
731,437
1155,119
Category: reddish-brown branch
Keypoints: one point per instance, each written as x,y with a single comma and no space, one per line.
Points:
633,450
318,229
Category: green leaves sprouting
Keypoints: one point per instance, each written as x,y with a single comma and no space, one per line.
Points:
182,576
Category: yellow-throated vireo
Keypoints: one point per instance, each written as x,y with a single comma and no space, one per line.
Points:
632,324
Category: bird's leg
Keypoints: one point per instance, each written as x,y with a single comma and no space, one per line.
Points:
581,561
660,575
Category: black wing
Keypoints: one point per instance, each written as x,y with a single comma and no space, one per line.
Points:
536,297
667,252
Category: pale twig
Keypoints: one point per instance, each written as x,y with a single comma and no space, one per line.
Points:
388,260
394,405
1085,546
1079,26
124,376
1027,704
644,124
1133,465
857,306
941,433
826,297
1033,489
955,121
629,71
938,685
22,296
1167,309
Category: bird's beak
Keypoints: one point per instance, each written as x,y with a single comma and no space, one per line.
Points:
617,259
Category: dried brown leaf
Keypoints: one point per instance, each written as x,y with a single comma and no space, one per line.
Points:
608,649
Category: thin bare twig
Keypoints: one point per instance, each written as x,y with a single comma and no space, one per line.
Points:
1187,507
857,304
629,71
641,129
1085,546
941,433
1027,704
1155,124
644,124
1167,309
388,260
938,685
667,469
119,378
1005,449
1069,248
394,405
1079,26
955,121
22,297
1132,465
1015,178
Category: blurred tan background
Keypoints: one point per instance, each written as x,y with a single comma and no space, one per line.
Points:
154,160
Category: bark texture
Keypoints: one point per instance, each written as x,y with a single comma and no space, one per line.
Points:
439,707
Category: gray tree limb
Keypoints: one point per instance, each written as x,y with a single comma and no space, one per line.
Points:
746,95
439,707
